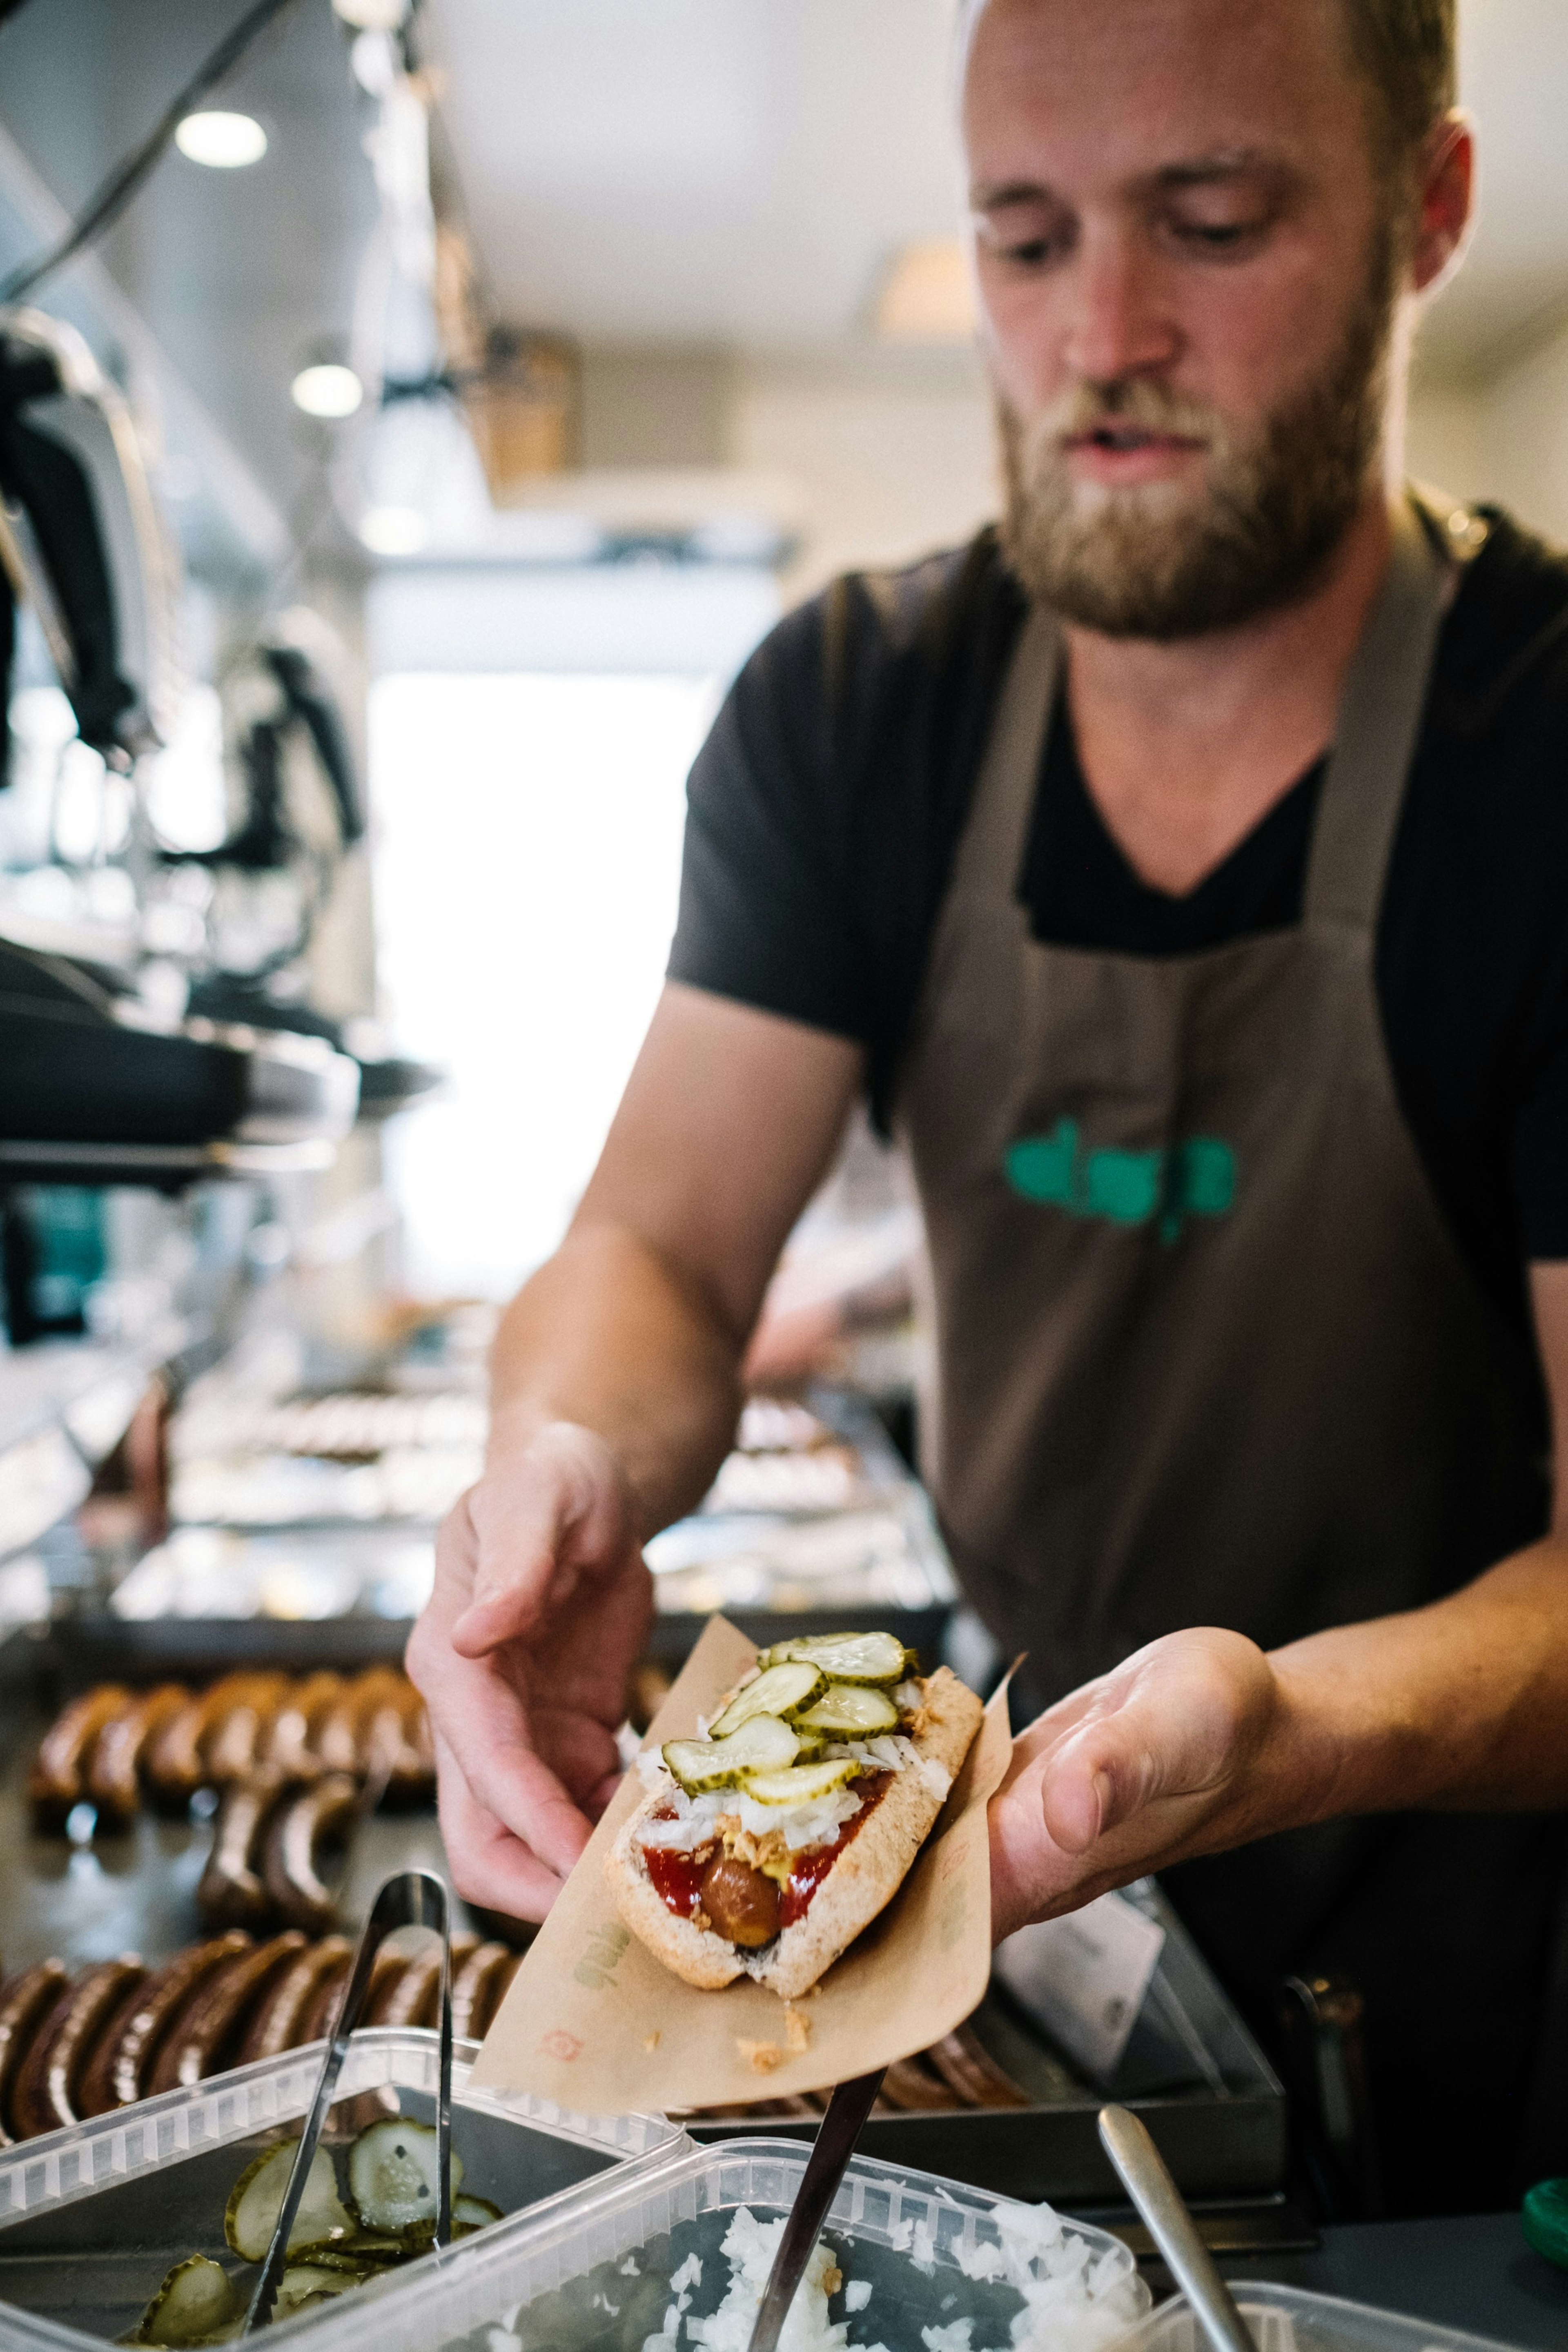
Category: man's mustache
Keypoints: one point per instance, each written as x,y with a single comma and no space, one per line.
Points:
1139,401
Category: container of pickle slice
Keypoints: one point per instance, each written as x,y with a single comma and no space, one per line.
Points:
674,2254
145,2226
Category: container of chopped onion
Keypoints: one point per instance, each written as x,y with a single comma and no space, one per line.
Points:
674,2259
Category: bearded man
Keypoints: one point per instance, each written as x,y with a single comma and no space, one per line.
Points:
1181,872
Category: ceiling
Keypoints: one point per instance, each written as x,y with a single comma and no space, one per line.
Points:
237,273
739,172
729,173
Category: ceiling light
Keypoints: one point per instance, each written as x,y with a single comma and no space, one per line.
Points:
224,142
393,530
372,15
328,389
927,296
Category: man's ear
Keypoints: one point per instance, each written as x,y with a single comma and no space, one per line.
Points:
1447,182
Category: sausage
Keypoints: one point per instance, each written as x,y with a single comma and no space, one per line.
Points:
26,2002
58,1778
117,2071
412,1780
320,2017
742,1903
199,2043
474,1999
910,2085
175,1762
966,2065
485,2012
281,2021
231,1892
112,1782
411,2001
232,1748
43,2099
300,1827
414,1997
348,1737
287,1748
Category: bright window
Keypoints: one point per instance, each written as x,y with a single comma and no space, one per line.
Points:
527,838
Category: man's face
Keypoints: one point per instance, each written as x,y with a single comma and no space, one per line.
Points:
1186,272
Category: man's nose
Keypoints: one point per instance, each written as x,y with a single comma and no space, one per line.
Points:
1118,326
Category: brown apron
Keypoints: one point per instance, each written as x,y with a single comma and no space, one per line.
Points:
1206,1352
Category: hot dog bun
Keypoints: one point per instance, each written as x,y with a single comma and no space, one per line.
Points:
865,1877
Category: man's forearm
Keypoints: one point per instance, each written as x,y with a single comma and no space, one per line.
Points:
1461,1706
609,1336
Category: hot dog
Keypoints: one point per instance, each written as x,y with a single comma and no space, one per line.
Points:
765,1848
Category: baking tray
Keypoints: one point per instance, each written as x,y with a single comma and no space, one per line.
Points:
343,1592
93,2218
566,2262
1190,2069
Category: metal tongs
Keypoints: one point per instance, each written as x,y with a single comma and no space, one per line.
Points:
412,1898
830,2152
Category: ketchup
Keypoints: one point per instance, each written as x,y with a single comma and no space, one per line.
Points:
809,1869
677,1876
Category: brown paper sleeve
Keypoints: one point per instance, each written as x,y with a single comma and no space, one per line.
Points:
594,2022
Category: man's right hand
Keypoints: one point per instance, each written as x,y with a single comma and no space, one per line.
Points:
540,1606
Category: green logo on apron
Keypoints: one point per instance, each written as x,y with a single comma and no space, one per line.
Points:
1194,1179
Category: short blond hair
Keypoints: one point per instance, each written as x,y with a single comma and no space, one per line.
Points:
1406,49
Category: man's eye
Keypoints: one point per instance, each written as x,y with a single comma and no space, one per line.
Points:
1032,251
1220,236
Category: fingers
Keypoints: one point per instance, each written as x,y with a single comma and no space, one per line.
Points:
541,1525
483,1726
488,1866
1144,1767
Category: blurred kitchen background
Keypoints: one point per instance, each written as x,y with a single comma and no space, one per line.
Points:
461,389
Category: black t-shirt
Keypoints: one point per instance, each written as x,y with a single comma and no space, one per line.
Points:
825,808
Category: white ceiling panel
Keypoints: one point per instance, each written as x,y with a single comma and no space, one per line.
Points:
733,170
740,171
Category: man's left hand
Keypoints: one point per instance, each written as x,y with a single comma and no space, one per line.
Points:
1183,1749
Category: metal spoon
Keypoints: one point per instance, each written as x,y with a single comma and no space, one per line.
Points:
830,2152
1158,2201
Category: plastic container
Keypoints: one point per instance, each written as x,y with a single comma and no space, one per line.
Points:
1288,2319
565,2266
92,2219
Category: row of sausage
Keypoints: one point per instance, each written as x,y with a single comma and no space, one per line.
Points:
114,1748
74,2045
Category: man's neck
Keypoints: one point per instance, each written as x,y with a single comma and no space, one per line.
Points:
1185,746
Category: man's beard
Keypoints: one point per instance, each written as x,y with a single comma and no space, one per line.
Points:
1163,561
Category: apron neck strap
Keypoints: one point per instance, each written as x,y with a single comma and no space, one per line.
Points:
1379,723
